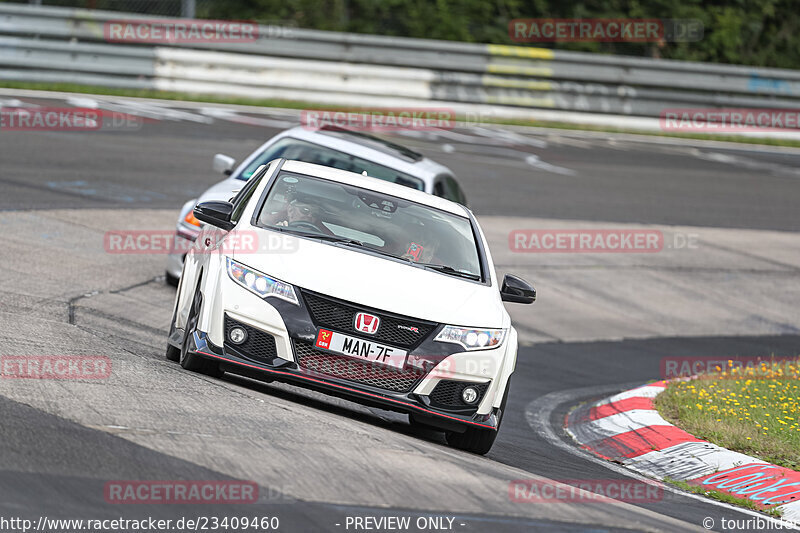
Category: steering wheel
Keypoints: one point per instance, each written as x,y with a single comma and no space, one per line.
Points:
304,224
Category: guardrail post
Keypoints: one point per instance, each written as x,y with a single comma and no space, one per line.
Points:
188,8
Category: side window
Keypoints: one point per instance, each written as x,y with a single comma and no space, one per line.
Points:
447,187
438,188
243,197
454,191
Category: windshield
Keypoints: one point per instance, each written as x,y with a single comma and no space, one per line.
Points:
290,148
368,220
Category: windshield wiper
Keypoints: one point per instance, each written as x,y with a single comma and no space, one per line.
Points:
335,238
354,242
338,239
314,235
447,269
378,251
350,242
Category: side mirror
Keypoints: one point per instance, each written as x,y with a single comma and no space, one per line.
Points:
215,213
224,164
517,290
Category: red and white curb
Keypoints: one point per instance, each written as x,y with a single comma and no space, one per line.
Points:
627,429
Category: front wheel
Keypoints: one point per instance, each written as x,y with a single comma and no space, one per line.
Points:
173,353
192,361
474,440
478,440
171,280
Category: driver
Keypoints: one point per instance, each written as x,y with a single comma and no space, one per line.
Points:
298,212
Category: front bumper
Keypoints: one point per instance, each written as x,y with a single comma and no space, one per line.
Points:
287,371
288,359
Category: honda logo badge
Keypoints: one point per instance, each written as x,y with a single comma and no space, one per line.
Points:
366,323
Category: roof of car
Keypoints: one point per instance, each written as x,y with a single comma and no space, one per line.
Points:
378,143
366,182
372,148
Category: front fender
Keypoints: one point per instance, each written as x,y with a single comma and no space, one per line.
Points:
186,287
509,364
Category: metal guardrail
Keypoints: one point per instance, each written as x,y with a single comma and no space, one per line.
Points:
57,44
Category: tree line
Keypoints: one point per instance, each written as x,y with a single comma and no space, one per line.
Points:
749,32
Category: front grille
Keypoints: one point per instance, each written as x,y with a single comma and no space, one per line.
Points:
340,316
259,345
448,393
342,367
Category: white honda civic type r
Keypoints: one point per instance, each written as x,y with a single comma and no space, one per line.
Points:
354,287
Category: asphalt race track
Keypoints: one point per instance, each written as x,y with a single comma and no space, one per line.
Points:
603,322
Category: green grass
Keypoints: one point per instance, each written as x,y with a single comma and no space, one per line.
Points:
292,104
756,412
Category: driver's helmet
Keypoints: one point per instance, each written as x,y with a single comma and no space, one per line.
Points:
305,205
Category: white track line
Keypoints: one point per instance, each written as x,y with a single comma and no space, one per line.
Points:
648,391
618,423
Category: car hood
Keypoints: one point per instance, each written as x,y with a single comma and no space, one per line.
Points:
377,282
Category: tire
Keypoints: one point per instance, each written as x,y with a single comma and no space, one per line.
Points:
477,440
173,353
473,440
192,361
171,280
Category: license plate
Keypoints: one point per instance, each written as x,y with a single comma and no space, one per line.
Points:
360,348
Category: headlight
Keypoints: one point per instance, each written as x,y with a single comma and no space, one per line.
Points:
260,284
472,339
